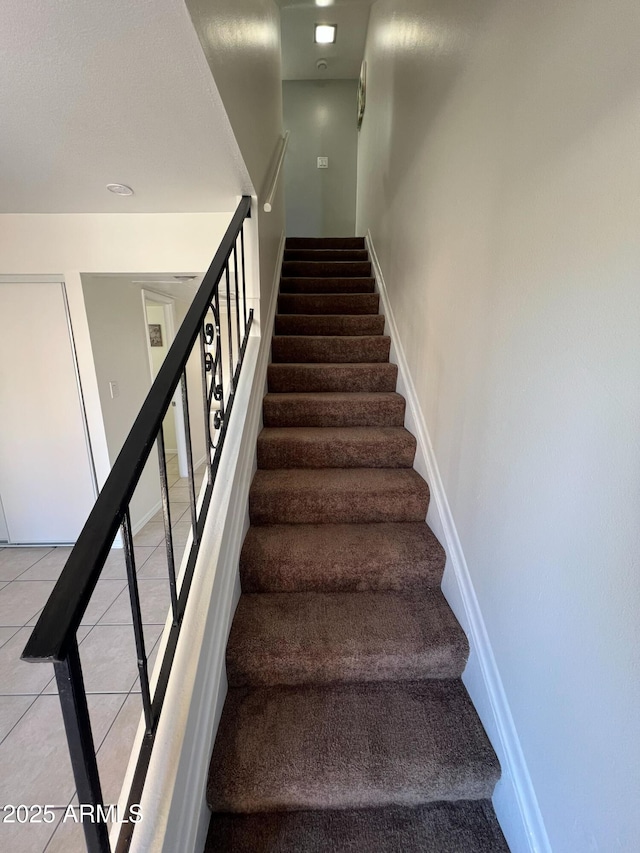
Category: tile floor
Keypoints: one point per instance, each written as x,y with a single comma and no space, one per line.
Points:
34,762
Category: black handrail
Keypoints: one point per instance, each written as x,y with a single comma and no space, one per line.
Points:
70,597
54,636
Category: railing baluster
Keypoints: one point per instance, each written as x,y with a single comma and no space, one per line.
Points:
168,534
235,273
187,429
218,371
136,614
244,281
231,382
205,402
77,724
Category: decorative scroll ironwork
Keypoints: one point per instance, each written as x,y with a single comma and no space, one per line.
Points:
54,638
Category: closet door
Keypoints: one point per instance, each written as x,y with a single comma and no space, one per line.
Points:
46,483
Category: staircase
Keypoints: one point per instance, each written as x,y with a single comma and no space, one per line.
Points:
346,726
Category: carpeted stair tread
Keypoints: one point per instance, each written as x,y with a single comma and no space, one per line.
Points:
333,409
337,495
466,826
324,638
322,284
326,269
349,746
336,447
328,303
364,377
324,243
329,324
328,349
341,558
318,254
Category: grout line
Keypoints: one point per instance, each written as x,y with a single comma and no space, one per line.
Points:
26,711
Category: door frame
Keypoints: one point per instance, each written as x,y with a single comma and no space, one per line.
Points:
168,303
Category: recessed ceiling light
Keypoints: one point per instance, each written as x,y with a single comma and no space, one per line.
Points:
120,189
325,33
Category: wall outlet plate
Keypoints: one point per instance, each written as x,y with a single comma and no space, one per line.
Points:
323,162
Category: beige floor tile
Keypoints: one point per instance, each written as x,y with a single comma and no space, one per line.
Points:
67,838
21,600
18,677
17,560
156,565
108,656
27,837
113,755
105,593
154,604
179,493
151,534
49,567
11,709
34,757
6,634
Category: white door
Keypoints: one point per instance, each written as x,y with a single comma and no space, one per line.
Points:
46,481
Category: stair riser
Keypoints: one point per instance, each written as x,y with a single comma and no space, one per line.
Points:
333,453
319,413
303,349
326,269
290,506
377,557
322,284
322,255
337,303
424,828
325,243
291,378
445,662
313,324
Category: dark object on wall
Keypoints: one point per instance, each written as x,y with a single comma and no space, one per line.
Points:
362,92
155,335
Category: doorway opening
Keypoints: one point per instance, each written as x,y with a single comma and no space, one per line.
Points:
159,313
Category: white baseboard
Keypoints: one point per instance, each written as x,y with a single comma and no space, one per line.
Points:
514,799
176,815
140,523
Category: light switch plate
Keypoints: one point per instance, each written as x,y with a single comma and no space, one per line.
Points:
114,390
323,162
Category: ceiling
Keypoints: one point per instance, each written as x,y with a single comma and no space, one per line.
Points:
300,53
95,92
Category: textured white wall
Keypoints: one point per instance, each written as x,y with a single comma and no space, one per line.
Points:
498,173
241,41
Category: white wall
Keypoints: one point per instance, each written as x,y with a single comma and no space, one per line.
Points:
241,41
498,172
321,118
68,244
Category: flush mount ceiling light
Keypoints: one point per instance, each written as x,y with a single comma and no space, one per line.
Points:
185,277
325,33
120,189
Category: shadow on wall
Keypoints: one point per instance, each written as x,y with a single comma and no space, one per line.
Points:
321,116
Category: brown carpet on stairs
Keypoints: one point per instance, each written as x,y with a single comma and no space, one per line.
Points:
346,725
